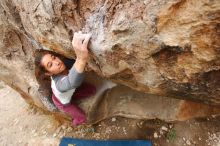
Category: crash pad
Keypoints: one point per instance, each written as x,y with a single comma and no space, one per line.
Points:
65,141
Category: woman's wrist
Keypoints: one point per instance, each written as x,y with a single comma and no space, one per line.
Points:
80,65
82,59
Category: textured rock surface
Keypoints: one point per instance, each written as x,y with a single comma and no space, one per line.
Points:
121,101
166,48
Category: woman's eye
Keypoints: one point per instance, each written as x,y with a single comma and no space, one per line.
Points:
50,65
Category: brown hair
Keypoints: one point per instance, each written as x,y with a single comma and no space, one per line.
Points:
39,68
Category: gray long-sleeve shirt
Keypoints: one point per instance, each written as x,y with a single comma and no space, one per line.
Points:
67,82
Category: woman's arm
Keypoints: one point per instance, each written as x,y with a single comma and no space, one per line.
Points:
75,75
80,42
67,82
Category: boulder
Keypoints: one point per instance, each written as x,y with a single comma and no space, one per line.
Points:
165,51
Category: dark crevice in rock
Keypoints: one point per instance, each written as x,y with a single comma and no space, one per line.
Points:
203,88
166,59
35,9
78,7
199,87
125,75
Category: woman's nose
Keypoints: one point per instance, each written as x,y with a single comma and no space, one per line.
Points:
57,63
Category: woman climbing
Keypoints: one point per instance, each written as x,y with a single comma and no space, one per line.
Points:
67,84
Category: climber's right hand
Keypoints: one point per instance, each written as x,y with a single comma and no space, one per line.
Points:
80,43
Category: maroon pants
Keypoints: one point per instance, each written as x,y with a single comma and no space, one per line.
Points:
85,90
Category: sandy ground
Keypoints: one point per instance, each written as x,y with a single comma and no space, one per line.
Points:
21,124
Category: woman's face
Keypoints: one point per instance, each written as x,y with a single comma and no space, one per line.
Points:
52,64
